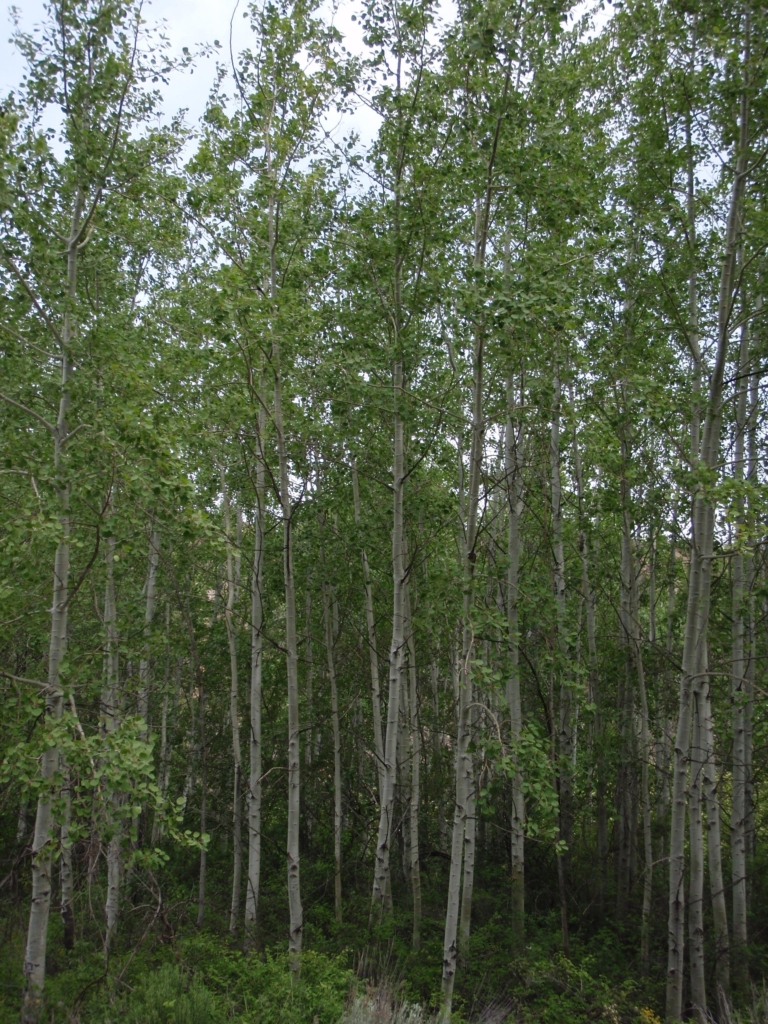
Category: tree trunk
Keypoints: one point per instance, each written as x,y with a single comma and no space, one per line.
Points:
255,766
111,719
514,488
739,680
233,580
714,848
469,554
381,879
696,883
378,741
330,639
149,615
42,851
565,731
700,572
415,759
203,806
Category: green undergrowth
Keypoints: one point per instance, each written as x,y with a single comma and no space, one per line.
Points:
202,979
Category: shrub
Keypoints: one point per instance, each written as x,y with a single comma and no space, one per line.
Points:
170,996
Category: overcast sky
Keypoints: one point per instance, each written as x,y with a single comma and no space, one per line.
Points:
189,23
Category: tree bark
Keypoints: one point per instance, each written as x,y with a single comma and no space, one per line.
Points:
381,879
111,718
414,744
565,731
714,848
378,741
330,639
514,488
739,680
42,851
700,572
696,882
233,580
145,664
255,745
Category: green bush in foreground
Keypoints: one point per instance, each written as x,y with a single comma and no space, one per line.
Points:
169,995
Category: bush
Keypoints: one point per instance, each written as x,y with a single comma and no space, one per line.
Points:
266,991
170,996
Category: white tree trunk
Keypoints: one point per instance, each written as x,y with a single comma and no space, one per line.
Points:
381,878
233,580
700,571
330,639
696,883
378,740
514,488
42,851
415,759
255,745
145,664
739,685
111,720
714,847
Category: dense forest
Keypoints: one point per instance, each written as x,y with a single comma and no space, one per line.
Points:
383,549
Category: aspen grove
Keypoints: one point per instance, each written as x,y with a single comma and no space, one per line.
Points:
384,535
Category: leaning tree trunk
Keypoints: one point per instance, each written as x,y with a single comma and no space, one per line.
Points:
42,849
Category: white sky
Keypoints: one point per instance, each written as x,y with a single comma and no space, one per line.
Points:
191,23
188,23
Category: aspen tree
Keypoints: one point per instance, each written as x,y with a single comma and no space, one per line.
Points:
233,582
330,639
257,658
378,742
700,571
514,488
